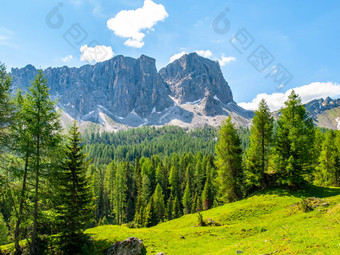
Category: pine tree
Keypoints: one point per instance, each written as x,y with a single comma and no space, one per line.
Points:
174,181
257,156
169,208
294,142
229,163
120,193
76,203
22,147
327,173
44,128
187,201
176,209
7,110
158,199
207,195
150,214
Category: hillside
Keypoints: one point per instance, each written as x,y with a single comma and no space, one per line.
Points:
266,223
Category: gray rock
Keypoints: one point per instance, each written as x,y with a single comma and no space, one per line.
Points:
131,93
191,76
131,246
160,253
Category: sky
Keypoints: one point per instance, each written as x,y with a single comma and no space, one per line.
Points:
265,48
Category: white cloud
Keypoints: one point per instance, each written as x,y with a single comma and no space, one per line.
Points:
98,53
67,58
177,56
225,60
204,53
133,24
307,93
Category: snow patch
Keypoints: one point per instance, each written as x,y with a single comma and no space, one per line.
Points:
338,121
216,98
195,102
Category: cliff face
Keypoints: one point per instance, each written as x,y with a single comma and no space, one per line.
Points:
129,92
192,77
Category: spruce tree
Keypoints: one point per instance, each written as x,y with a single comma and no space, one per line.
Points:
327,173
150,214
120,193
44,128
207,195
229,163
294,142
76,197
187,201
7,110
158,199
176,209
257,156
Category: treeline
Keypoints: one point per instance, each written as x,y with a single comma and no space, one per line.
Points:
154,190
102,148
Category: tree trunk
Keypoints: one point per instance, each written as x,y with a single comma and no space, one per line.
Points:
18,249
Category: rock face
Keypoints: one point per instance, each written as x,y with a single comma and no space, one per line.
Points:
126,92
131,246
191,77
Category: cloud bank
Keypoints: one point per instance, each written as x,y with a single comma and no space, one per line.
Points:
225,60
204,53
133,24
67,58
98,53
307,93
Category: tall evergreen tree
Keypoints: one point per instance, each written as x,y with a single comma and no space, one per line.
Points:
294,142
187,201
76,197
158,199
44,128
176,209
7,110
120,193
229,163
328,171
257,156
150,214
208,195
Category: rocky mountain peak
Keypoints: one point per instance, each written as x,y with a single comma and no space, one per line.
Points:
190,76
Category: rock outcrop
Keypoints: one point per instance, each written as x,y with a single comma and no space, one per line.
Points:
131,246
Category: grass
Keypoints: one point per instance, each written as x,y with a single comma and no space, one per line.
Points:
269,222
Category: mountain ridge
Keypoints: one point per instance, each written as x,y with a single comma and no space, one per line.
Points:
126,92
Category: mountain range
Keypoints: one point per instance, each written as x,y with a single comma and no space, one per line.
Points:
125,92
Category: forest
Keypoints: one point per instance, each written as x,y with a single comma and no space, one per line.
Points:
54,186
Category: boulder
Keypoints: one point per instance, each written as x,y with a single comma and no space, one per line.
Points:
131,246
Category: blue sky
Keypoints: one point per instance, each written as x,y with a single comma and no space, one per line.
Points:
303,37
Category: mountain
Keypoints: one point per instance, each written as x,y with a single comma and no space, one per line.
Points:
325,112
125,92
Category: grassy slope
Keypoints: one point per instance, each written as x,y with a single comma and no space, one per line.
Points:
262,224
267,222
327,118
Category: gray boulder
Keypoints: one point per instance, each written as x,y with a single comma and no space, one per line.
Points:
131,246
